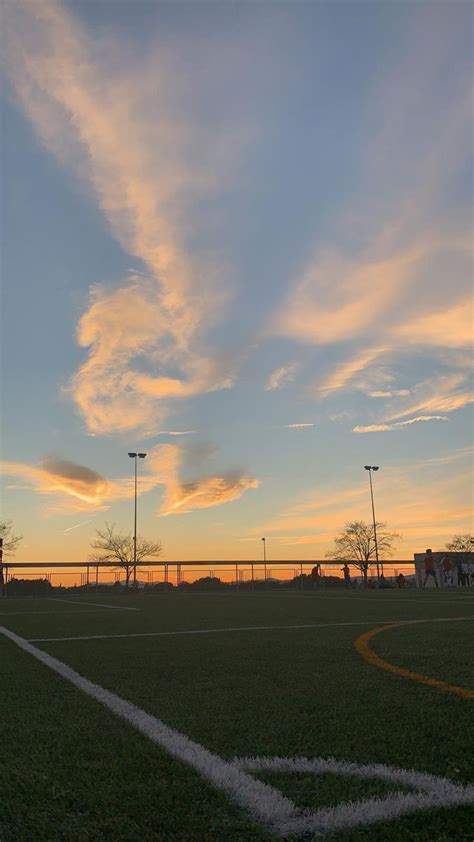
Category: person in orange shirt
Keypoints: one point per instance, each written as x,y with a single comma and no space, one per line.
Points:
447,568
430,567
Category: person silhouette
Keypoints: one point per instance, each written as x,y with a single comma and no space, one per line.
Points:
347,575
430,567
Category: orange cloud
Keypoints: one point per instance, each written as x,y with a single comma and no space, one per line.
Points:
444,393
429,498
124,135
202,493
409,285
345,373
337,299
449,327
77,488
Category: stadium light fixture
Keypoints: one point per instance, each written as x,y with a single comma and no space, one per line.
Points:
135,457
371,468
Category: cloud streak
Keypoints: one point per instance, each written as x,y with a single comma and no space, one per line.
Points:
400,425
124,134
77,488
443,393
385,273
76,526
422,499
281,377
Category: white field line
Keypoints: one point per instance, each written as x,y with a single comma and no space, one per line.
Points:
99,604
430,792
375,601
246,629
67,613
264,802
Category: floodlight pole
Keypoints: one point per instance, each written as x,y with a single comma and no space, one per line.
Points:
371,468
135,457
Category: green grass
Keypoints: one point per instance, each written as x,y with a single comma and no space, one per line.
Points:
72,771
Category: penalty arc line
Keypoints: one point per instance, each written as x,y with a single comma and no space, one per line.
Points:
363,648
265,803
236,629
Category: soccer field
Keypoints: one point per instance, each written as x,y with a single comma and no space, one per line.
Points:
242,716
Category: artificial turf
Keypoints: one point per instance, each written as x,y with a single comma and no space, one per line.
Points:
73,771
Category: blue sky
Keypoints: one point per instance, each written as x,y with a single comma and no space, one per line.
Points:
222,220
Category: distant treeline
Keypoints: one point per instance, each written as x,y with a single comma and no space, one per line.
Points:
43,587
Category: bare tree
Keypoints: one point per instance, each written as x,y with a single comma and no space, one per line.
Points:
11,541
356,545
462,544
117,547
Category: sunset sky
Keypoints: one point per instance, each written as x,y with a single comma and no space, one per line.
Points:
236,236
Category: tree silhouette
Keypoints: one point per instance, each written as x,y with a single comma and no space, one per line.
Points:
462,544
11,541
356,545
117,547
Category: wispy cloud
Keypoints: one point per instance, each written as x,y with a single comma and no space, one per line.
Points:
123,132
281,377
448,326
77,488
383,428
346,371
442,393
392,393
203,492
423,499
384,273
175,433
296,426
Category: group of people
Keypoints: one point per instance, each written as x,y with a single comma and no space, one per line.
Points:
464,570
449,566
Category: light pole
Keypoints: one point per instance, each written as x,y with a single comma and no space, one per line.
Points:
371,468
134,457
264,561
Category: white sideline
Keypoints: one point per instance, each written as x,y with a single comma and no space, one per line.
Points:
73,601
373,599
67,613
264,802
246,628
278,813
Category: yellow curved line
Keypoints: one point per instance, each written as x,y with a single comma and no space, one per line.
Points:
363,648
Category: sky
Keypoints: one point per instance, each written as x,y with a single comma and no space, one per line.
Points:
236,236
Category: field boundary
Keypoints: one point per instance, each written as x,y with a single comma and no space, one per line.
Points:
363,648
